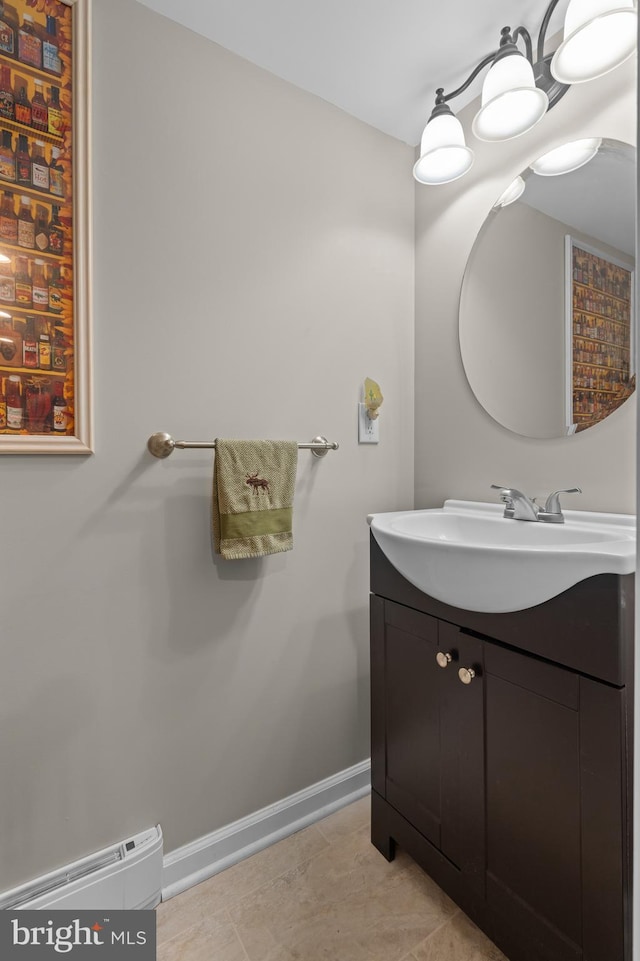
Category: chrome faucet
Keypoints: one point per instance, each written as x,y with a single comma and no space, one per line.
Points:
518,505
522,508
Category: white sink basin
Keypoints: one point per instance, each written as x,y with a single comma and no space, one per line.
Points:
468,555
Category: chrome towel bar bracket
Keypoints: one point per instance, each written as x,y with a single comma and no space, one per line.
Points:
162,444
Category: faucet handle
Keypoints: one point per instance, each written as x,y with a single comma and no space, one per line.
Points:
505,494
552,505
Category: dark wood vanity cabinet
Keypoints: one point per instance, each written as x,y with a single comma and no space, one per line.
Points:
511,790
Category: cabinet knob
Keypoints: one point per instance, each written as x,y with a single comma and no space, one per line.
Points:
444,660
466,674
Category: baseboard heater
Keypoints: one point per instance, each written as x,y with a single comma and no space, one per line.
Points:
127,875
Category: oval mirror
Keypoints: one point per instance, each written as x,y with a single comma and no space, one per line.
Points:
547,302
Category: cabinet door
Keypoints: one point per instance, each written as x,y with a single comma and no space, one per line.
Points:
462,758
412,718
430,723
553,809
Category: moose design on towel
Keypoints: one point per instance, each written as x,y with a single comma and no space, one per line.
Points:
257,484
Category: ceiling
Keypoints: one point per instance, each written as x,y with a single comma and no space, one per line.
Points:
379,60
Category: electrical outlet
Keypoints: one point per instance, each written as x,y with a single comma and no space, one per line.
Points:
368,430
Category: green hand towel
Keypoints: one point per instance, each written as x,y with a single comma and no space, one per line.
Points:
253,487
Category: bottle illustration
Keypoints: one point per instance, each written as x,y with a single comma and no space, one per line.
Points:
39,109
40,289
8,219
56,174
10,343
37,406
60,414
56,232
24,289
22,104
59,355
54,108
39,167
7,34
50,51
15,409
7,157
26,225
44,349
29,43
23,162
55,293
7,108
42,228
3,406
7,284
30,346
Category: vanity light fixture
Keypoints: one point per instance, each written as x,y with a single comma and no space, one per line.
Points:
568,157
518,90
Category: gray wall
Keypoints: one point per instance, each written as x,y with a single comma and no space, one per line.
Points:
253,263
460,449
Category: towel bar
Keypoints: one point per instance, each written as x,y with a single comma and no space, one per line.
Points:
161,445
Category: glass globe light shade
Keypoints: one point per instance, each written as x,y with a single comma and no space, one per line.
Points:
568,157
599,35
444,156
511,102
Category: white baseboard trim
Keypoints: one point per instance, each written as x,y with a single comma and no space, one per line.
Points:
201,859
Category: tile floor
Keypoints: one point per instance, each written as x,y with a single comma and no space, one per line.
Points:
324,894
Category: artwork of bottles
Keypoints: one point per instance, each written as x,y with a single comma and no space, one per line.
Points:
602,294
36,218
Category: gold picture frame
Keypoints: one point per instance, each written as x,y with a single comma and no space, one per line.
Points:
45,228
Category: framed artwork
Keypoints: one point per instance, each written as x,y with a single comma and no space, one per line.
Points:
45,243
600,334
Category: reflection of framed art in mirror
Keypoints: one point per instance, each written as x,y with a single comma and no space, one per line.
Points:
600,368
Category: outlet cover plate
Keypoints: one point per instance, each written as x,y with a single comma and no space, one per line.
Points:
368,430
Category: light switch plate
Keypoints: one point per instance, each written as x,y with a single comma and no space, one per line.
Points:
368,430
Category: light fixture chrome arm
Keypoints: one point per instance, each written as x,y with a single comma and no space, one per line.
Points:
442,97
506,37
544,26
528,43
